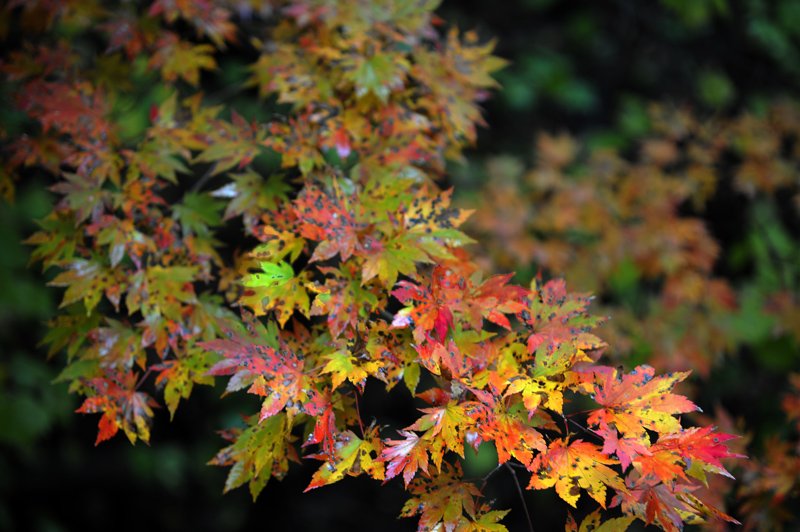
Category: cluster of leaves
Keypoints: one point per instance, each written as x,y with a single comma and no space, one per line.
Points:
586,66
631,228
359,278
615,225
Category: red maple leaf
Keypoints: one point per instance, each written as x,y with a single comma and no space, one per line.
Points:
332,221
122,406
555,317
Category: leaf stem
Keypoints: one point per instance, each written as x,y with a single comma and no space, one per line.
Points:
521,495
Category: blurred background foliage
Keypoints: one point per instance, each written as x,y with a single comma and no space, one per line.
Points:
583,77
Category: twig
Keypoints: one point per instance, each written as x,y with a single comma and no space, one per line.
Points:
486,478
521,496
141,381
386,315
202,181
584,429
358,412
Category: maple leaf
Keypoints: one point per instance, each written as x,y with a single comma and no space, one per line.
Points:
555,317
198,214
432,308
570,467
594,523
702,509
660,463
637,401
177,58
180,375
699,445
467,68
377,75
122,406
332,221
345,301
441,499
325,431
547,379
87,280
285,385
406,455
352,455
260,452
277,245
343,365
487,521
655,502
250,195
446,360
431,220
432,314
57,240
279,373
389,258
160,290
277,289
491,300
234,143
295,77
216,25
122,238
116,346
274,275
512,436
82,194
626,449
444,426
75,109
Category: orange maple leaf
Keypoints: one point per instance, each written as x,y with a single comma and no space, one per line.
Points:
637,401
570,467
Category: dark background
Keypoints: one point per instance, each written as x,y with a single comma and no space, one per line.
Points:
585,67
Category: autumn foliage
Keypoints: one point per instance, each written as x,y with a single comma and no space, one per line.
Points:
356,274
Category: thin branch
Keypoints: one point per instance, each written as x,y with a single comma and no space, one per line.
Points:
521,496
202,181
385,314
486,478
584,429
358,412
141,381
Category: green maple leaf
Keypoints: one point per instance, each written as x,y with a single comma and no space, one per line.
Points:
198,213
352,456
121,236
57,240
283,299
87,280
260,452
274,275
377,75
181,375
233,144
250,194
153,159
398,255
161,290
82,194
